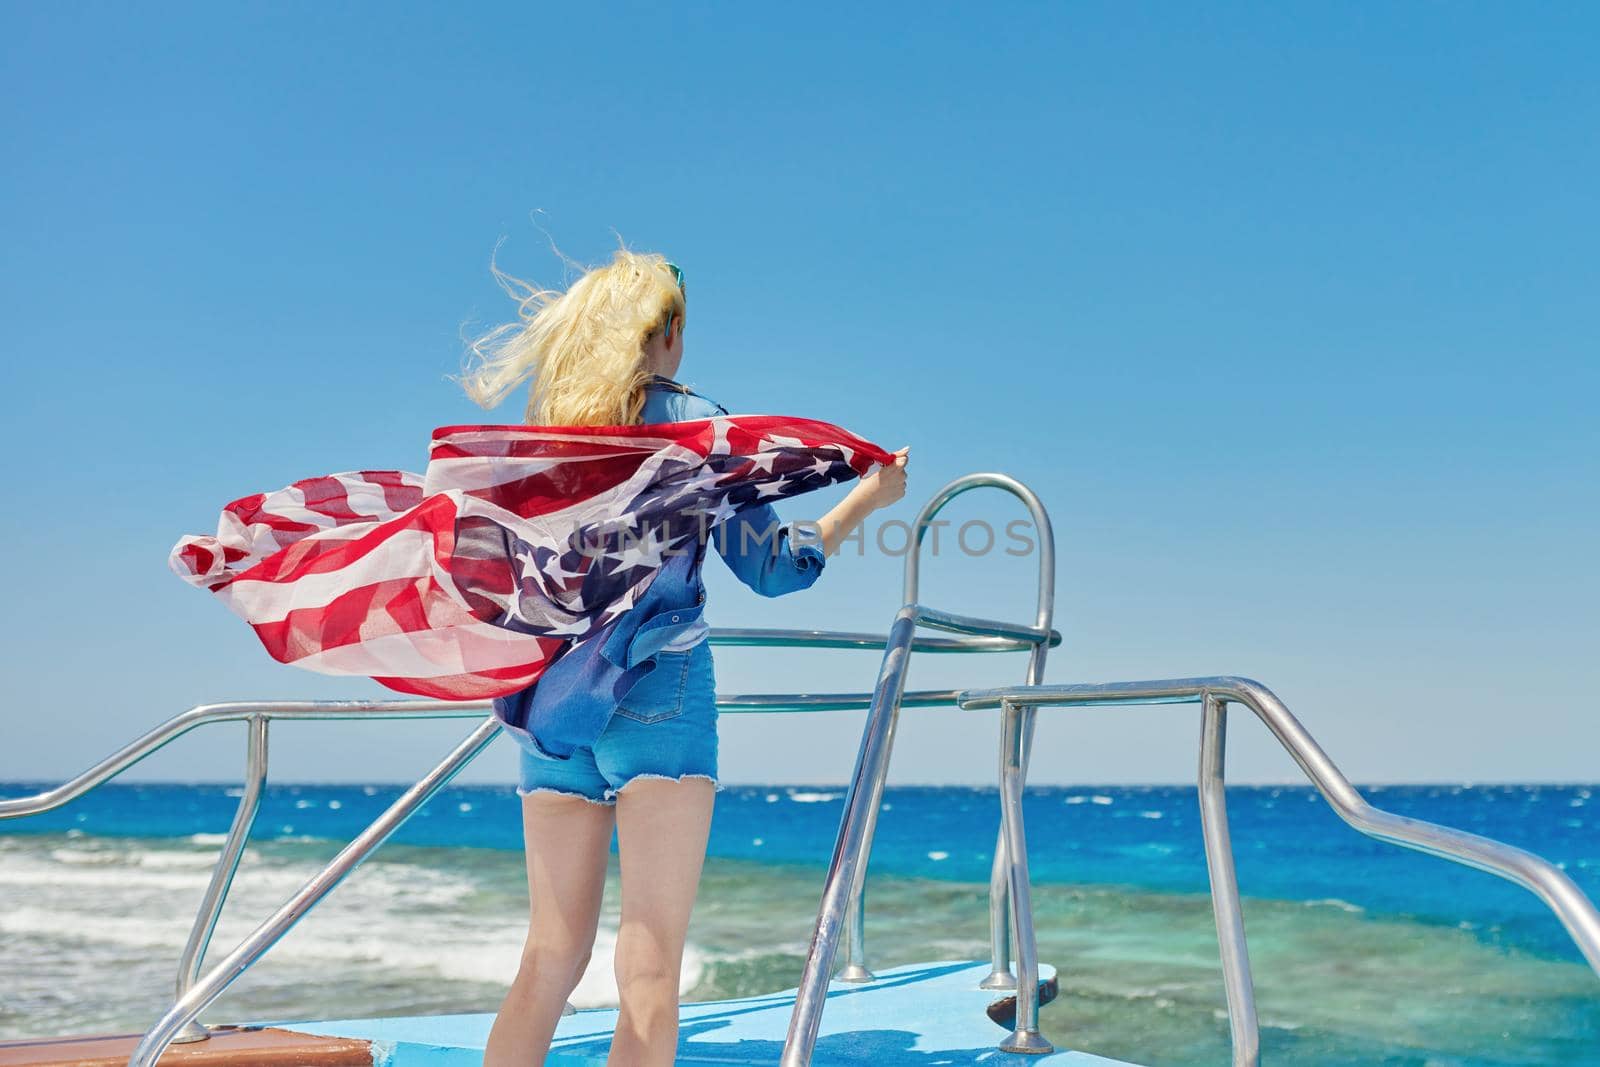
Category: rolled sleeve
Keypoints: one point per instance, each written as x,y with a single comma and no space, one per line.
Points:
763,554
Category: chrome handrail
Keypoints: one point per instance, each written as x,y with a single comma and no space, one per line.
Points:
257,714
215,981
194,992
839,639
850,845
201,714
1559,893
411,708
1000,976
843,905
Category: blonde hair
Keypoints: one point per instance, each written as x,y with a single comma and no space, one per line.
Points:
583,349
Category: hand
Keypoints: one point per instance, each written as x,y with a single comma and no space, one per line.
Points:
886,484
877,490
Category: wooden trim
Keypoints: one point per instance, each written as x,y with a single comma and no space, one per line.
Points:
254,1046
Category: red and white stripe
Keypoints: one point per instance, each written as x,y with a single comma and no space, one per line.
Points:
399,577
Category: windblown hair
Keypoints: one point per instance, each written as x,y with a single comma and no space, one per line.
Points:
583,349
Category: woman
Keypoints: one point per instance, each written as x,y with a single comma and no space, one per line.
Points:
605,353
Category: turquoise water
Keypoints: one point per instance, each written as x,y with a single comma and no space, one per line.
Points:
1363,954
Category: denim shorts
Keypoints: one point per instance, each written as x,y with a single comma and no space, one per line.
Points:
666,727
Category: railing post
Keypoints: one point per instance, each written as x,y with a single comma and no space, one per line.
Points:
1025,1038
215,981
1000,976
855,942
205,920
1225,905
871,764
1539,876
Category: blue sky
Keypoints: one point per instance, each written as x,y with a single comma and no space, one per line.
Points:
1287,311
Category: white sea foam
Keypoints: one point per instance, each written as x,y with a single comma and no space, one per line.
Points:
1335,902
172,858
58,876
207,839
137,871
337,939
938,854
80,927
814,798
388,918
96,855
84,855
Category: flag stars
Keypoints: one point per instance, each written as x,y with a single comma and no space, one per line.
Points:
763,461
773,488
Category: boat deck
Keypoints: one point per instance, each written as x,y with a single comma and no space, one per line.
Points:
924,1014
228,1046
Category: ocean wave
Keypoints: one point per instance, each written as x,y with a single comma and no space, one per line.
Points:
134,870
813,798
400,923
82,926
1120,904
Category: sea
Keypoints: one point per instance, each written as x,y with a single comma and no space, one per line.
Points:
1363,953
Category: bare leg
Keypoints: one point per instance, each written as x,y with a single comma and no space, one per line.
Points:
662,826
568,840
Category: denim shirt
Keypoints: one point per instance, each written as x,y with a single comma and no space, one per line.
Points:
745,540
571,702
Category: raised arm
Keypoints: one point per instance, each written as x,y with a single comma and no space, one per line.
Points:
759,550
877,490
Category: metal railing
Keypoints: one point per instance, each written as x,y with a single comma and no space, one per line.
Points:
843,906
257,716
841,912
194,991
1558,892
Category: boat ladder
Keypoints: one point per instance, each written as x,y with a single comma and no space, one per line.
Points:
1010,906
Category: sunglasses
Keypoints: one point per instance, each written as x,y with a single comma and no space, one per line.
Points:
677,276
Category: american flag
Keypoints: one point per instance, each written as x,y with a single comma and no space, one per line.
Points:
466,582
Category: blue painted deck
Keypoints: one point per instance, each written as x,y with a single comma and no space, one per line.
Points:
922,1015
